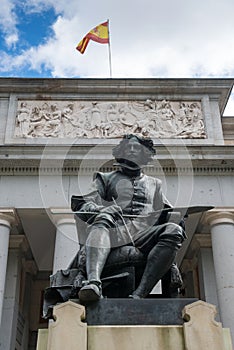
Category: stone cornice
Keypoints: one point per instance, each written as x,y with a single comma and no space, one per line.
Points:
218,160
30,267
179,151
228,129
19,242
200,240
200,160
27,170
121,88
15,85
87,158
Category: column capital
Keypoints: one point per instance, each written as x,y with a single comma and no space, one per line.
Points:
62,216
201,240
30,267
219,216
19,242
8,216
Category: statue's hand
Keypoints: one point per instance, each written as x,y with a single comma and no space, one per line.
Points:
91,207
114,210
88,211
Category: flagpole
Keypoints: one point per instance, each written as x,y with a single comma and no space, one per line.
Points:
109,47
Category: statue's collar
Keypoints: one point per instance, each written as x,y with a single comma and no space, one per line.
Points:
131,171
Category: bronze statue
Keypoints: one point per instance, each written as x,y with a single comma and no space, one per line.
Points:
126,212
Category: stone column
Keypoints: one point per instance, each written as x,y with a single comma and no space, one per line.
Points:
207,277
14,289
66,242
222,235
7,217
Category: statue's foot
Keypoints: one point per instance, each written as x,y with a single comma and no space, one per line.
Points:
92,291
134,296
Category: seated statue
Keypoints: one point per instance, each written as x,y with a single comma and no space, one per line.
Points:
128,232
126,224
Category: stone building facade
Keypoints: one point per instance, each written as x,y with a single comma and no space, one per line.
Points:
55,133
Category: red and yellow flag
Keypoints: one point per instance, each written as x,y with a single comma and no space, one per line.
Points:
100,34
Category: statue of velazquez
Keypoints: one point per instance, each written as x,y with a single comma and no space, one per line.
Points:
126,219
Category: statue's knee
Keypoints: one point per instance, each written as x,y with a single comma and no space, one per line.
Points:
175,229
104,219
97,235
173,234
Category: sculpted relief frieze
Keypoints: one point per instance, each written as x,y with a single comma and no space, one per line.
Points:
102,119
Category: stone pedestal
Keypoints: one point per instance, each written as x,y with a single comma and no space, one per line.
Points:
200,331
68,332
135,338
222,234
155,311
66,243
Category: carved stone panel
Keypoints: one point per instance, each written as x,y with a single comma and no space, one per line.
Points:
109,119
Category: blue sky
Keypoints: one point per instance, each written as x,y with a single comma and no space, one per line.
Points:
151,38
33,29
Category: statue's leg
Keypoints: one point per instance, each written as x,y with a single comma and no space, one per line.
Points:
97,251
171,282
159,259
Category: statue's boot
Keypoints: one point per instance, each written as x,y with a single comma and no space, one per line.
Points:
97,252
91,291
158,263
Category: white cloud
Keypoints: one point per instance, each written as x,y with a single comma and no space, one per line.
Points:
60,6
11,39
8,21
152,38
170,38
178,36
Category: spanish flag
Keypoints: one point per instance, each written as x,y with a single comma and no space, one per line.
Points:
100,34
